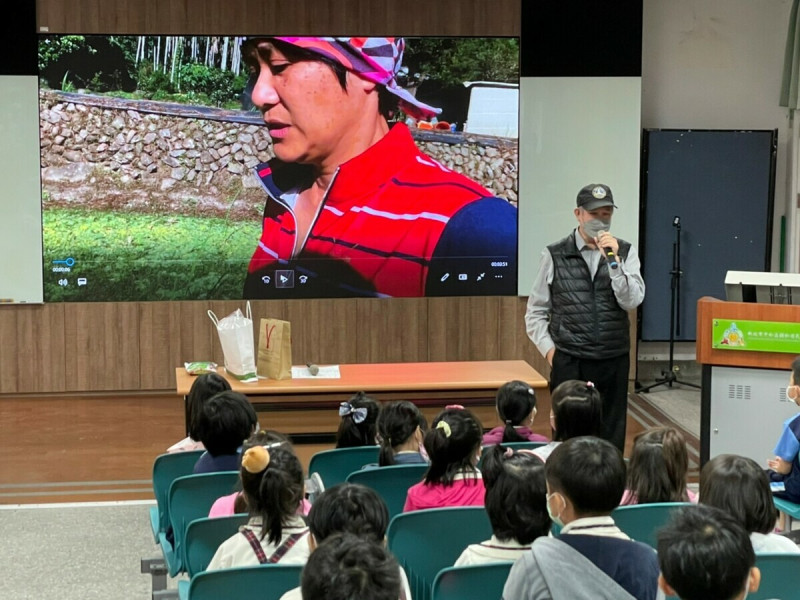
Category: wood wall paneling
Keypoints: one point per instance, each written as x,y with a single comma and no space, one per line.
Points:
102,346
392,330
359,17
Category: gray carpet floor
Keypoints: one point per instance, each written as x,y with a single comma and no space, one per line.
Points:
79,553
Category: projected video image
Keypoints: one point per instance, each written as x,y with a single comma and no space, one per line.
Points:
191,168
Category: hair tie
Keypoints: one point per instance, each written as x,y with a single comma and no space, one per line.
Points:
508,422
255,459
444,426
589,384
454,407
359,414
508,453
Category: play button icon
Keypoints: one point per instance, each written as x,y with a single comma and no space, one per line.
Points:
284,278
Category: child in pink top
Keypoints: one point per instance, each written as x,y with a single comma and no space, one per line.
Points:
453,445
516,406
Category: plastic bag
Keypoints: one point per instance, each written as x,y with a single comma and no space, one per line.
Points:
236,337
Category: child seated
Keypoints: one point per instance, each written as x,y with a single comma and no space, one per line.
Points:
704,553
357,427
401,427
577,409
785,466
592,557
658,468
272,481
516,406
237,501
203,388
515,502
354,509
739,487
225,421
348,567
452,479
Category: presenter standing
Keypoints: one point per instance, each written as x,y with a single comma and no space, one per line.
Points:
577,310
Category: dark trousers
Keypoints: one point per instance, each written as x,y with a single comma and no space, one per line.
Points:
610,376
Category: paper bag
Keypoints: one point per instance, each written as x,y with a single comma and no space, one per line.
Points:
275,349
236,337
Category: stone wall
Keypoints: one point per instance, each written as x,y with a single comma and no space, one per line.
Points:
148,156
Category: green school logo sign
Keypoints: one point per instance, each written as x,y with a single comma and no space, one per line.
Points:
758,336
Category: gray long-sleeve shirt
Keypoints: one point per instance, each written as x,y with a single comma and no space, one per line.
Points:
626,282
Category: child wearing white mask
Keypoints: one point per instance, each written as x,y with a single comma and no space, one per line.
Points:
785,466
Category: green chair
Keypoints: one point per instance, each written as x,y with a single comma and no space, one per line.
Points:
642,521
472,582
333,466
780,576
190,498
261,582
167,468
790,509
204,536
426,541
391,483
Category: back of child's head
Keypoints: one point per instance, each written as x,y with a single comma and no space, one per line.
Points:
357,424
577,409
203,388
351,508
515,494
738,486
704,553
590,472
397,423
272,480
225,421
515,401
658,466
264,437
347,567
452,444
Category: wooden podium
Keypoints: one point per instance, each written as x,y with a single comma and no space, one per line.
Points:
744,401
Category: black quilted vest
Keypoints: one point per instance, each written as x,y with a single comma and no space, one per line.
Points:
585,319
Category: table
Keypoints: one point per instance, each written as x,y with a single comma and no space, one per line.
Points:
308,407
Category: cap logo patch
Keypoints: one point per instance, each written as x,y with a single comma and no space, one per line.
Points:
599,192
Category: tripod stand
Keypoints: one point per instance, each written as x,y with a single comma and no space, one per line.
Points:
668,376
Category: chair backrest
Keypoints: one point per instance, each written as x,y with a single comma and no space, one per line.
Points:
262,582
391,483
642,521
780,576
333,466
426,541
471,582
166,469
190,498
204,536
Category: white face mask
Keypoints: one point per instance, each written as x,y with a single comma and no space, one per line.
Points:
555,518
792,392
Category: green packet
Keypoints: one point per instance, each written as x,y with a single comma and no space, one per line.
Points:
200,367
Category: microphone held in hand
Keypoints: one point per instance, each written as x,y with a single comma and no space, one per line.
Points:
313,369
609,254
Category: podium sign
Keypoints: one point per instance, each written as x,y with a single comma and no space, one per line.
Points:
758,336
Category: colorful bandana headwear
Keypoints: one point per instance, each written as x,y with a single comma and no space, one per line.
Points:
373,58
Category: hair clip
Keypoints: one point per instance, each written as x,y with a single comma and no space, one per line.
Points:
444,426
530,391
359,414
509,422
508,453
255,459
454,407
589,384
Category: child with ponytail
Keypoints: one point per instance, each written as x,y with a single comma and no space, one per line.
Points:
453,445
401,428
357,425
516,407
272,482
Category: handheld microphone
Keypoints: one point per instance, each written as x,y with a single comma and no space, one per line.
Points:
313,369
609,254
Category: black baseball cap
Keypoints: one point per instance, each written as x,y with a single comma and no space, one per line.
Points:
594,196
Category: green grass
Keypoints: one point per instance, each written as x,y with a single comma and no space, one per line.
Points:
139,257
